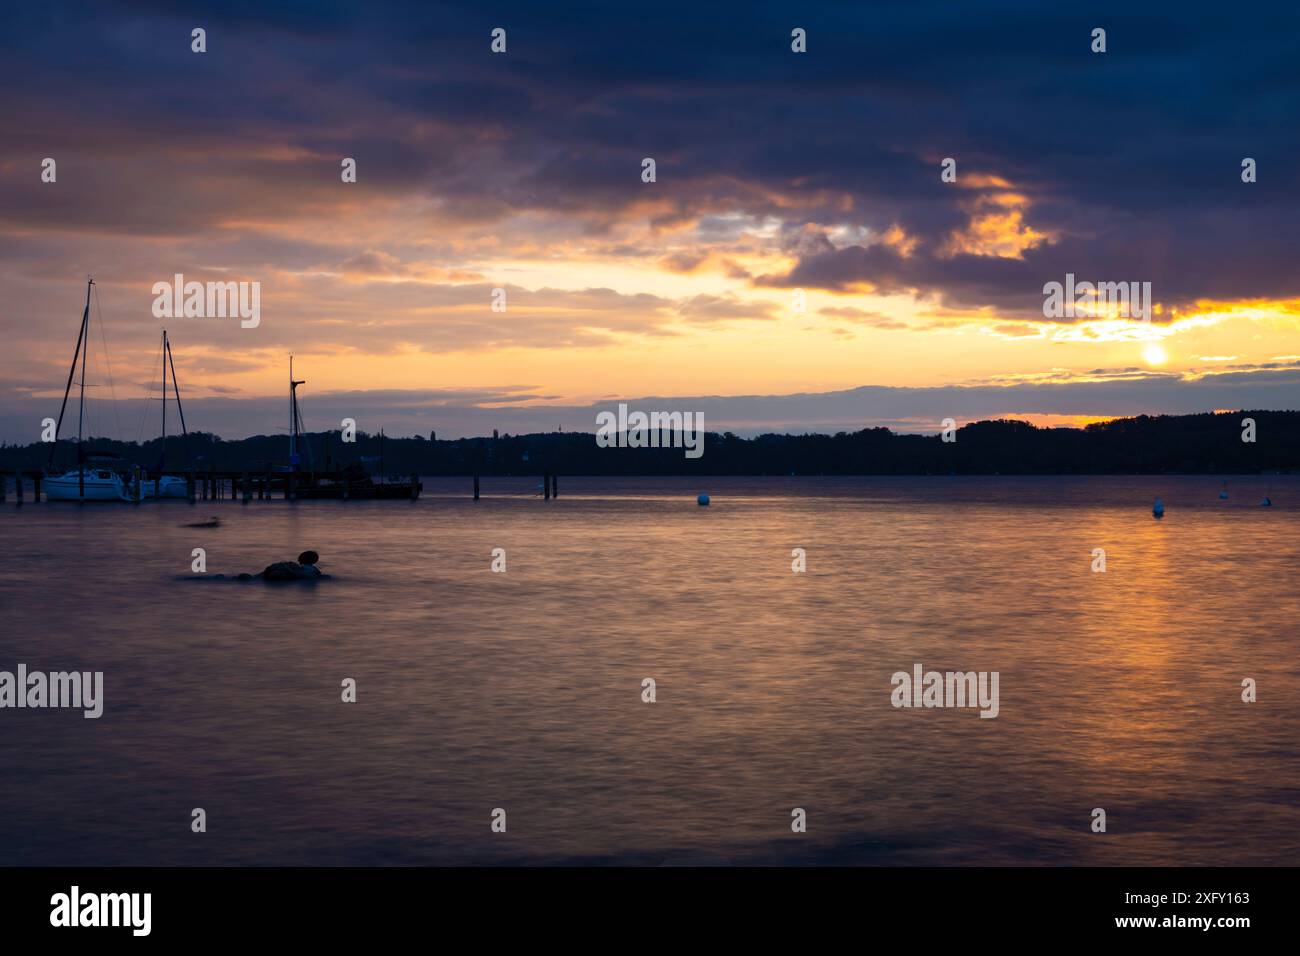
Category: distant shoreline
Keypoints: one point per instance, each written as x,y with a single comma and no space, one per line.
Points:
1225,443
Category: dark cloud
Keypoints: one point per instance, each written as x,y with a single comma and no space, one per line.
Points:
170,161
1132,155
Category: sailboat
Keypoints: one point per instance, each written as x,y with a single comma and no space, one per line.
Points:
167,486
96,482
350,481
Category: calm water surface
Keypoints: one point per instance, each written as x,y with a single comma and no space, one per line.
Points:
523,690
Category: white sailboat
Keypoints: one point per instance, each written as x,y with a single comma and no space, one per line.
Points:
83,483
164,486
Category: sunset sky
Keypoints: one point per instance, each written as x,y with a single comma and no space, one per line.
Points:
776,171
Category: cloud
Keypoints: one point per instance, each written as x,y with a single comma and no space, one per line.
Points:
775,170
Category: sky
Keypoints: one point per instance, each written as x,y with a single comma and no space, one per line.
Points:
798,262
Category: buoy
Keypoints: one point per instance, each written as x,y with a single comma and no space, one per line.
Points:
1158,509
1223,495
703,499
1267,502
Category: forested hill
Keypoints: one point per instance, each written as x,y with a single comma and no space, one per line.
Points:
1204,444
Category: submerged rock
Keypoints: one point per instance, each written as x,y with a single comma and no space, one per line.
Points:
290,571
304,569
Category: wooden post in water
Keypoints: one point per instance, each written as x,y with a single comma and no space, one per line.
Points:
247,488
546,485
18,485
36,489
476,487
415,486
190,486
4,484
555,487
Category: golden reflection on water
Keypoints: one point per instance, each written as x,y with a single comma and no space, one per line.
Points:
523,690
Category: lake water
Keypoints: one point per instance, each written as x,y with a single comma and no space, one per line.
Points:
523,690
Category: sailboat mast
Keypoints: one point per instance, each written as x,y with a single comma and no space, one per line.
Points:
293,416
176,390
81,409
162,458
72,371
293,419
85,337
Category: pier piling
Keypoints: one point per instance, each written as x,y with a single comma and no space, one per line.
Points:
476,487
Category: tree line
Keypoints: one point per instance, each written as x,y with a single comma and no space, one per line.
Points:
1209,443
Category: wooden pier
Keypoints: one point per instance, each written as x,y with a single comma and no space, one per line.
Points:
215,484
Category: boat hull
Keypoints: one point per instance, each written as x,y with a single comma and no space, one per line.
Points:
168,486
94,487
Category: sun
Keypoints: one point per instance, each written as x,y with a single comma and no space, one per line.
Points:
1155,354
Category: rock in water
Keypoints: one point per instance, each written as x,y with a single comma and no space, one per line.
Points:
290,571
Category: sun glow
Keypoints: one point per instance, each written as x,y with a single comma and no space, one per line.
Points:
1155,354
